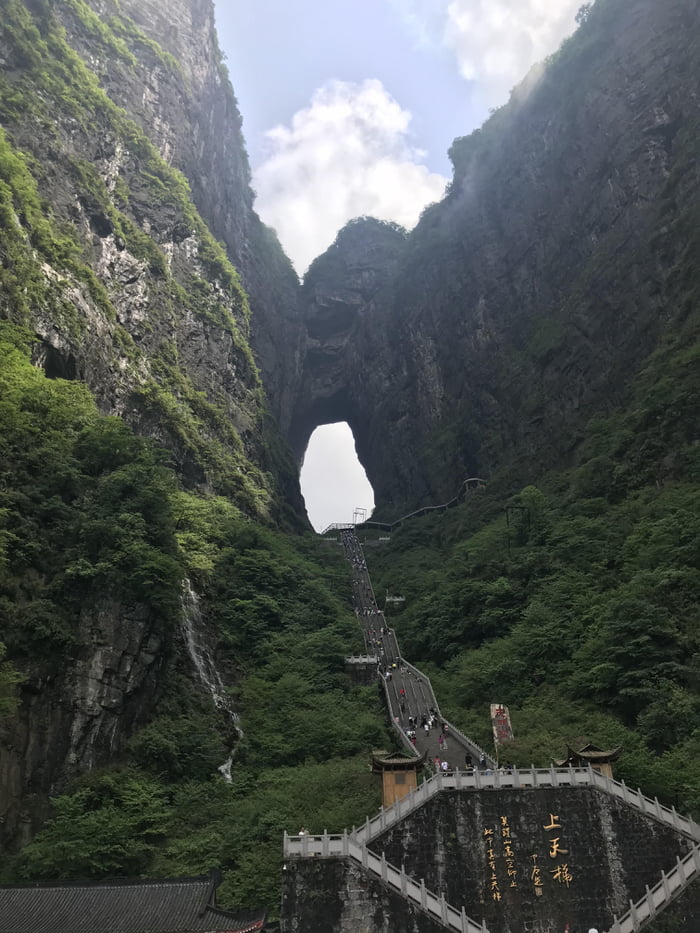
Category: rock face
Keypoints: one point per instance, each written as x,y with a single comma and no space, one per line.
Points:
150,99
74,720
480,850
527,300
336,896
110,257
346,294
184,102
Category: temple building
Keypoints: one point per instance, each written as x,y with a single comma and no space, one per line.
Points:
597,758
399,774
179,905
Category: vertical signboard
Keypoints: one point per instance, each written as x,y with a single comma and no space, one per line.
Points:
500,722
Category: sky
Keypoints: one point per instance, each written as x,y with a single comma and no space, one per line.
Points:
349,107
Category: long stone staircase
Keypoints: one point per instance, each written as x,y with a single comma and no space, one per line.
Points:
409,693
410,696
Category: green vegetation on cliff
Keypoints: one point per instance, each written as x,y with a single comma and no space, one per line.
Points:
110,520
85,510
56,224
575,601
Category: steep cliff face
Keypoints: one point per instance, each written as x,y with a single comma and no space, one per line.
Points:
346,293
528,299
77,719
178,91
133,218
106,259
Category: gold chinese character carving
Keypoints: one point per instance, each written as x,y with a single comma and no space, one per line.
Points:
553,822
562,875
556,849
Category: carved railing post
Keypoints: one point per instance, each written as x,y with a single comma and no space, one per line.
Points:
666,885
651,906
634,916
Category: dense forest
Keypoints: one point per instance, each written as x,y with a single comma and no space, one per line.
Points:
111,516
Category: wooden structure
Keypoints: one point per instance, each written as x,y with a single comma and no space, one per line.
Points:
399,774
599,759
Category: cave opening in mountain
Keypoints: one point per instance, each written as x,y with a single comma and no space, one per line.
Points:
333,481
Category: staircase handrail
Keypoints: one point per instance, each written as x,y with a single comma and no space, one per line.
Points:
344,845
395,726
389,526
468,780
648,805
665,891
524,778
471,745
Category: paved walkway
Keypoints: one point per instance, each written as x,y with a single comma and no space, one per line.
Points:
412,703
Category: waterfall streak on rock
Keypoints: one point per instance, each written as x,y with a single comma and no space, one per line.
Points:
207,671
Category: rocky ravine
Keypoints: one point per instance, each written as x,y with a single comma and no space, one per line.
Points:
521,305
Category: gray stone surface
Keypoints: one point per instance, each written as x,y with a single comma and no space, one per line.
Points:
612,852
337,896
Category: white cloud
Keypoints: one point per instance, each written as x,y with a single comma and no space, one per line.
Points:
423,19
347,154
497,41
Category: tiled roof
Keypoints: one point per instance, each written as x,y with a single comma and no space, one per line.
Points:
181,905
381,759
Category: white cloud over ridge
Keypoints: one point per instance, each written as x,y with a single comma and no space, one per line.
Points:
348,153
496,42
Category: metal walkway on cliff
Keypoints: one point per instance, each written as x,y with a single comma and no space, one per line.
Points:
470,484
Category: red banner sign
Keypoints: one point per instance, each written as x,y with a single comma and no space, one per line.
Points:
500,722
